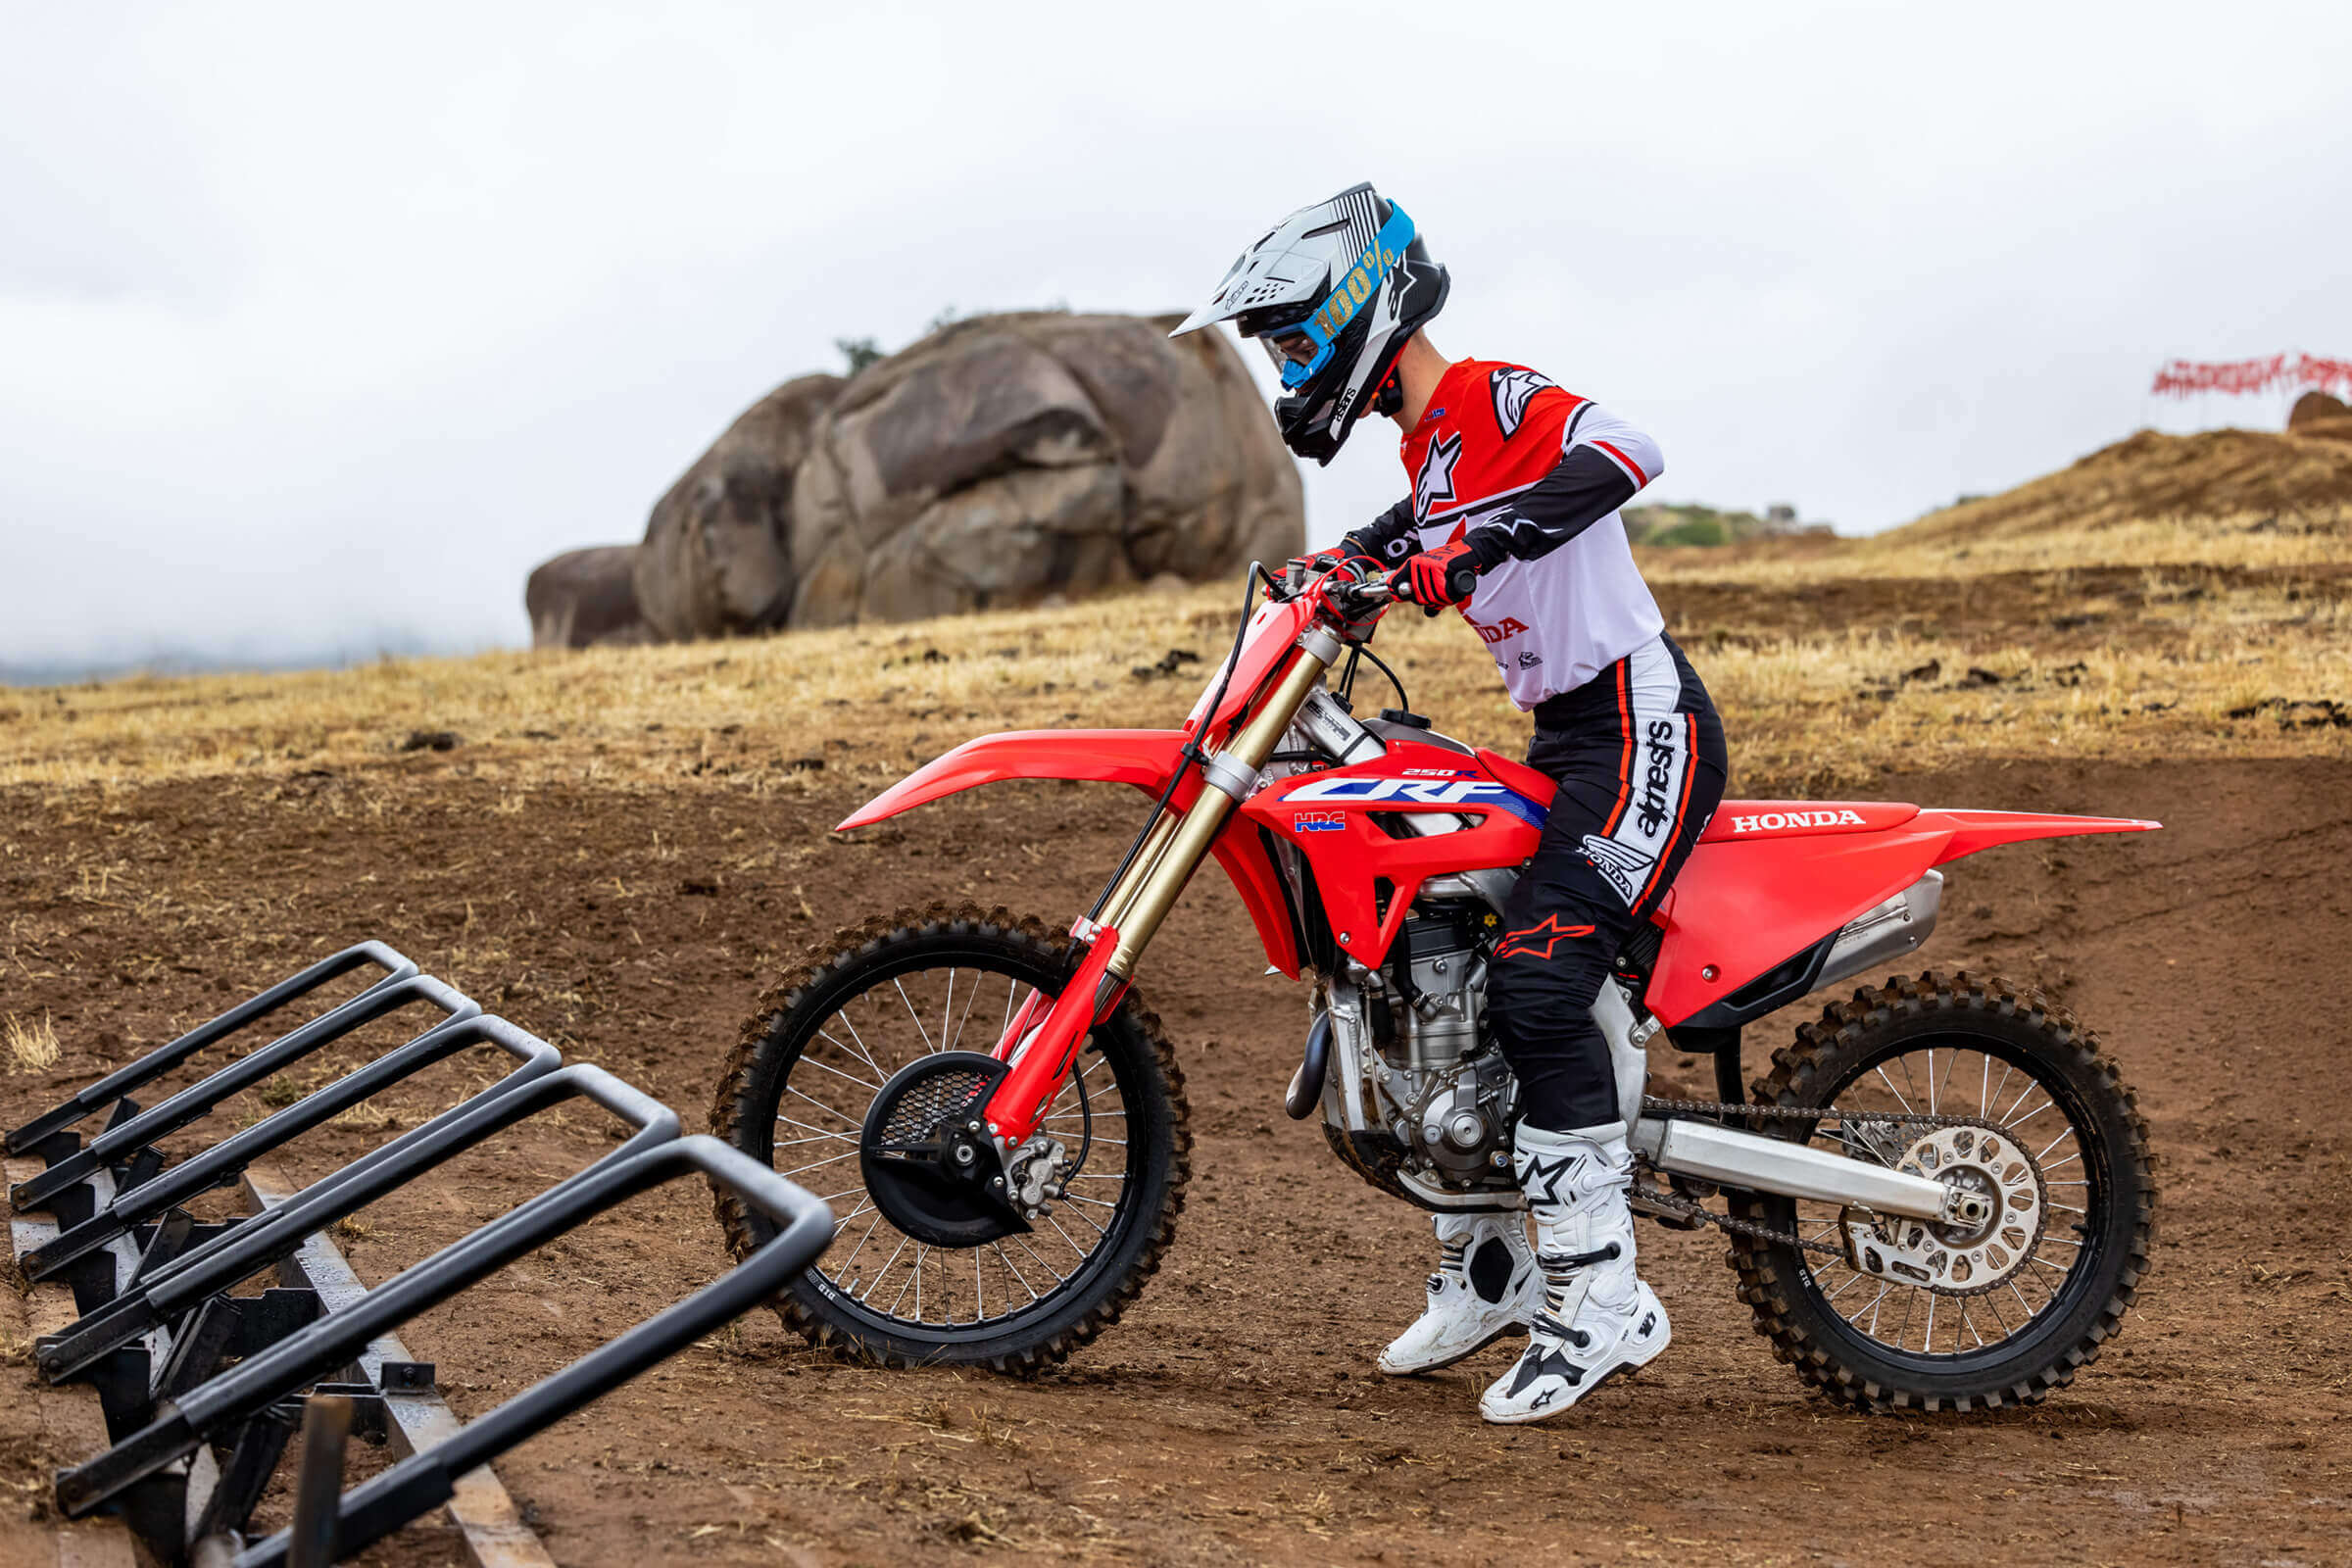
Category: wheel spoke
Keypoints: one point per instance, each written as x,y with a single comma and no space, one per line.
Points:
848,1077
905,1242
820,1138
821,1105
928,1046
1041,1262
1985,1104
860,1051
1006,1258
2011,1126
859,1247
834,1159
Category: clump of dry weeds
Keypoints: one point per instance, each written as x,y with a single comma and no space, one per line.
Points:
31,1045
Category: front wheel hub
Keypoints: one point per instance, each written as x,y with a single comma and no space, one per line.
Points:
926,1157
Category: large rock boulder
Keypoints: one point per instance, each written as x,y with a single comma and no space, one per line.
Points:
2317,413
586,598
715,558
1008,457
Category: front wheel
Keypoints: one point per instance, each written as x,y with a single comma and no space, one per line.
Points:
2032,1115
913,1278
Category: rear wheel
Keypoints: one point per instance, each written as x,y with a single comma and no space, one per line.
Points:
1996,1313
917,1274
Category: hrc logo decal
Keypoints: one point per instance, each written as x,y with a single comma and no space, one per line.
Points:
1318,821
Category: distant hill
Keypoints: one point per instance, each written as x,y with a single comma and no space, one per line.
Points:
2236,477
1664,526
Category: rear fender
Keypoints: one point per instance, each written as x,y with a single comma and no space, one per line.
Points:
1142,759
1744,903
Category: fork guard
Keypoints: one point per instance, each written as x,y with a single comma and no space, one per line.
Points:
184,1368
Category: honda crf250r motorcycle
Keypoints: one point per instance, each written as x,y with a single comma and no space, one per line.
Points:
1941,1196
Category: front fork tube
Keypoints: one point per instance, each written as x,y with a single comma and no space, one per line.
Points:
1043,1048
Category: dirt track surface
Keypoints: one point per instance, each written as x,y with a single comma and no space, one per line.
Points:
1233,1415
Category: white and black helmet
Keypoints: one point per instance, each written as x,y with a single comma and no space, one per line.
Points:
1333,291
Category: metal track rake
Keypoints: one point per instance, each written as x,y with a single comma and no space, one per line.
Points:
202,1388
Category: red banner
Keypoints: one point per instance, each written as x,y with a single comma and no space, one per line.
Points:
2189,378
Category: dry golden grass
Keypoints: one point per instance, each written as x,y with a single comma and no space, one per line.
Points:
31,1047
2216,635
2249,540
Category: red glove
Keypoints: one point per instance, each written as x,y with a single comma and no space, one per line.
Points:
1446,575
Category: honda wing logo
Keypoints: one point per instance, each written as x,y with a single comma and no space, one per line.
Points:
1626,868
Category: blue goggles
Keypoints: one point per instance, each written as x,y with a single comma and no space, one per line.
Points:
1302,351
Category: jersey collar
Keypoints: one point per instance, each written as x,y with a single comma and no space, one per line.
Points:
1441,399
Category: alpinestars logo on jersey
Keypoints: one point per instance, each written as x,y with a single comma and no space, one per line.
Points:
1512,388
1433,487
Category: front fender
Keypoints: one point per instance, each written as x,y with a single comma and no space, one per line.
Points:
1139,757
1143,757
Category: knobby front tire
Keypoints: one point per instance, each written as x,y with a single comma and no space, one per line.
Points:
1018,1305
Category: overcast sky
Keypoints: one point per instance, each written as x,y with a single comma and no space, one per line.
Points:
320,325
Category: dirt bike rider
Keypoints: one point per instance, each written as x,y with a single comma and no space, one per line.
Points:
1512,518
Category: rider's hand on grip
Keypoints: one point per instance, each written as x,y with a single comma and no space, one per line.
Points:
1435,578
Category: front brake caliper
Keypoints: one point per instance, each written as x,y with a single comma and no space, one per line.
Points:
1036,1174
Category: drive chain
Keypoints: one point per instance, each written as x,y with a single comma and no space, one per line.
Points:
1663,1203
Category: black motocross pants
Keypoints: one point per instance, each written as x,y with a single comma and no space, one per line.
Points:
1639,757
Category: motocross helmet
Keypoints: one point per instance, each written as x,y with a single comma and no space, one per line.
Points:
1332,293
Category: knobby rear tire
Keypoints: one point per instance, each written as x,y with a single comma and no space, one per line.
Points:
750,1089
1828,1055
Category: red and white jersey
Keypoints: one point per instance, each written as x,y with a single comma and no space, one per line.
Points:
1553,614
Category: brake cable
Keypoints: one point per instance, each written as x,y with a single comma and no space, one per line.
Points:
1190,753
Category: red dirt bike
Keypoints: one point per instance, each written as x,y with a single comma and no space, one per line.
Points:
1939,1197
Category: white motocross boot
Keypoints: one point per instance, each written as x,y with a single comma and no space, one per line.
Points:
1486,1287
1597,1318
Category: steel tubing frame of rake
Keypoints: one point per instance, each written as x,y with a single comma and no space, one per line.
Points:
153,1065
220,1164
198,1099
426,1480
167,1293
